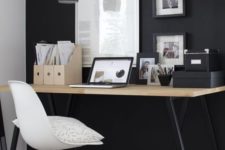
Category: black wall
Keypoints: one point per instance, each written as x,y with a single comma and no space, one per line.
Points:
47,21
138,122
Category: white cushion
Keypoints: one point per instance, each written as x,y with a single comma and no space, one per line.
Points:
72,131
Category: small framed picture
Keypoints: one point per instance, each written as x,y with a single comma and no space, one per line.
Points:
170,47
153,75
143,61
168,8
154,72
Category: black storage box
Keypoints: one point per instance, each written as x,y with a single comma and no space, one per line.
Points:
207,60
198,79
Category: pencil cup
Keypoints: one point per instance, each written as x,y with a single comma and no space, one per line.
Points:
164,80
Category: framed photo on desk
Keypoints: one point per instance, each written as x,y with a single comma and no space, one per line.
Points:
143,62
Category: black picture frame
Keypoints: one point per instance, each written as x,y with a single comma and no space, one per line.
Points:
144,55
178,14
182,46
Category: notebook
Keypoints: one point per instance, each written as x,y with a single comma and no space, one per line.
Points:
108,72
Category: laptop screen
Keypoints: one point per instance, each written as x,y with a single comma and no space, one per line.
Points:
111,70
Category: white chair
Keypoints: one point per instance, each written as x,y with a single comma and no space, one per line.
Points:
47,132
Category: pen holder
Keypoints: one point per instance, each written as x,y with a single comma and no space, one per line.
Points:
164,80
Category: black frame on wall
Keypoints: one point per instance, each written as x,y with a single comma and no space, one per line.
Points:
155,35
154,9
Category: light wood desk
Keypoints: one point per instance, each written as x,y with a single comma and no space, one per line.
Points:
131,90
143,90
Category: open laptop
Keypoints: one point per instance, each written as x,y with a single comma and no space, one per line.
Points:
108,72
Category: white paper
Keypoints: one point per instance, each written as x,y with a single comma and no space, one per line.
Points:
66,49
43,52
54,59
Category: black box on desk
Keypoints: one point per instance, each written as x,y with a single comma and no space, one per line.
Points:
205,60
198,79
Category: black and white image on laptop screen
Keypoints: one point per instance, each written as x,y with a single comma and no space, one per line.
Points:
110,71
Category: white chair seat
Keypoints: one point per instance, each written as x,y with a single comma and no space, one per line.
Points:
43,132
72,131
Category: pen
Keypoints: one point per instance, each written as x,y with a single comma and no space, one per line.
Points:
165,71
170,71
158,72
160,69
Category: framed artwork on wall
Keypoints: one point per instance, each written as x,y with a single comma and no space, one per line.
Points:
168,8
107,28
143,62
170,47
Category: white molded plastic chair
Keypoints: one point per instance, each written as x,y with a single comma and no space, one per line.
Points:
43,132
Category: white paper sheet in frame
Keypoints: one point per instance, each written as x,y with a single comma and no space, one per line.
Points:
161,11
107,28
176,41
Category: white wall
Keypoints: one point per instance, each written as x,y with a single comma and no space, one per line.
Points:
12,56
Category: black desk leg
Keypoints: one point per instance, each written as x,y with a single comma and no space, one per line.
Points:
175,124
211,129
4,146
69,105
182,112
73,100
1,145
15,138
51,104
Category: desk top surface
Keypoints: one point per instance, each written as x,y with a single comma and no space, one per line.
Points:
130,90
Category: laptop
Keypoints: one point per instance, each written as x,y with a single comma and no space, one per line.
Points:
108,72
